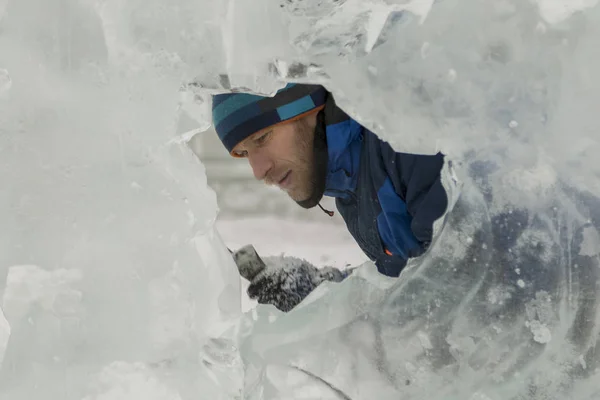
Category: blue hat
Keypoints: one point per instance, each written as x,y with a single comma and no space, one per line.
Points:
238,115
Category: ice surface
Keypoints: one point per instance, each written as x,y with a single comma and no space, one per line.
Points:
110,264
117,285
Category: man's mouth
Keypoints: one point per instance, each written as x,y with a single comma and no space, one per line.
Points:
285,181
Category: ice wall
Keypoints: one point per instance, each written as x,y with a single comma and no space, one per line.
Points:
116,285
111,274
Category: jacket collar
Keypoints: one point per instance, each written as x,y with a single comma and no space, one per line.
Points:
344,143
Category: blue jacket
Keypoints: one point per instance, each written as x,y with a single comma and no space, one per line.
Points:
389,200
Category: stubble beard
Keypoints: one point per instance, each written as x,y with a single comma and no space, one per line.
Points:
320,159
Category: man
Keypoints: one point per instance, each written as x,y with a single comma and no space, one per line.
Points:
302,142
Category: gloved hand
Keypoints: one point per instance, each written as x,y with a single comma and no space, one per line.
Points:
282,281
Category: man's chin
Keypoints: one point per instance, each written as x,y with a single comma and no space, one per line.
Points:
310,202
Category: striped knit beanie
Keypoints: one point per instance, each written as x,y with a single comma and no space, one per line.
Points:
238,115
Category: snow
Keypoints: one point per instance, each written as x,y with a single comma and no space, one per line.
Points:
115,277
541,333
321,243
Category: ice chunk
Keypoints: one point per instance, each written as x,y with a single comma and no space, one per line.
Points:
109,261
29,286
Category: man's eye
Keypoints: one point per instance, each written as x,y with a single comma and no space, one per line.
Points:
240,154
261,139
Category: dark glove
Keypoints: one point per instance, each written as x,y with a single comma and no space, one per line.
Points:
282,281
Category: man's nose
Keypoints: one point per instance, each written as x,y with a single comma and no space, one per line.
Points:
261,165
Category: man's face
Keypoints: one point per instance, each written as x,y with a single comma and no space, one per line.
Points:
284,155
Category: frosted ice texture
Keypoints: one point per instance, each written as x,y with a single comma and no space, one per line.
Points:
109,264
116,285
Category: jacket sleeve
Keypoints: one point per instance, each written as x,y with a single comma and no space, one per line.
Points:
416,179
